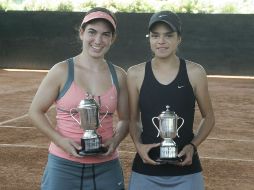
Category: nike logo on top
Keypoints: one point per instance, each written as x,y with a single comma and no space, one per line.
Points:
180,86
119,183
162,16
112,97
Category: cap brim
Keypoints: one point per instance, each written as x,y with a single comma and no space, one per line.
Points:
164,21
99,15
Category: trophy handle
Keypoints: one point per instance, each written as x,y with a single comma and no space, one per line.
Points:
156,125
104,115
71,113
180,125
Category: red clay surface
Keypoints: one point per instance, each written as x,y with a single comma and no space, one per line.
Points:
227,155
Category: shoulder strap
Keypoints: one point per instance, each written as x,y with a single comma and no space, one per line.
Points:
70,69
149,78
183,67
113,76
70,78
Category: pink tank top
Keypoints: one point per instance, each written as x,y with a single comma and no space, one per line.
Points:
69,128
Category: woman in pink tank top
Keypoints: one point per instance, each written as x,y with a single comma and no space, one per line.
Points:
66,85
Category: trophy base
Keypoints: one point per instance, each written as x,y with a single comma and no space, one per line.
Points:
169,160
100,150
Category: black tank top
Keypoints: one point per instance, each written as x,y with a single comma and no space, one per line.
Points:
153,99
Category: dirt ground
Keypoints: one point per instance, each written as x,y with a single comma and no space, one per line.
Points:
227,155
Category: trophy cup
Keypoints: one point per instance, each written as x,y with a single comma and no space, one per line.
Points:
88,110
168,130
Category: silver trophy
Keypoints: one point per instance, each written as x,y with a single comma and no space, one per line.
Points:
168,130
88,111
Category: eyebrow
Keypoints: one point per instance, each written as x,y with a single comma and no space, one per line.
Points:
92,29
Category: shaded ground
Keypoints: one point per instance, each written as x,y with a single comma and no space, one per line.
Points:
227,155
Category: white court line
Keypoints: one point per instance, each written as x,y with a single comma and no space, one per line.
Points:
130,152
26,70
20,117
15,127
204,157
213,138
239,140
230,159
16,118
23,146
211,76
230,77
217,139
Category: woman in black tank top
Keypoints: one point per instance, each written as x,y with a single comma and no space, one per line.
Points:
167,80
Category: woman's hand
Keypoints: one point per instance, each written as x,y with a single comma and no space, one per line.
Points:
69,146
143,150
111,145
187,152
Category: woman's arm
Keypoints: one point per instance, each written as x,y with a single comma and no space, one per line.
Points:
198,79
205,106
43,100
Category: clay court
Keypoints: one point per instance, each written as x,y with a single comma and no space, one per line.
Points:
227,155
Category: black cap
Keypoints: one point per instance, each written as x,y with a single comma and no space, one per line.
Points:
168,17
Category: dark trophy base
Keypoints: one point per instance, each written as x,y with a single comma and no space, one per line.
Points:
170,160
91,147
100,150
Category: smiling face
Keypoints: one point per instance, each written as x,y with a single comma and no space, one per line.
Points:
163,41
97,37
